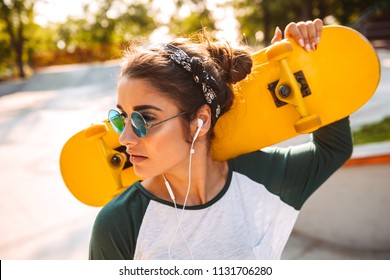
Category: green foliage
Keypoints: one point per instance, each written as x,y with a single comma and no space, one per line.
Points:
99,34
376,132
265,15
114,23
5,53
136,22
199,18
96,36
17,20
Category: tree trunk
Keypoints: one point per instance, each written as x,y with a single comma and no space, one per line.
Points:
19,46
307,10
17,41
20,63
267,23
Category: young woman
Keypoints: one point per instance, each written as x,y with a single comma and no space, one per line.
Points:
190,206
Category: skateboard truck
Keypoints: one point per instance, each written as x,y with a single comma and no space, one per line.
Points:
288,90
116,159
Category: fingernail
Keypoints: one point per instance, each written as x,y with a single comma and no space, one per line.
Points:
318,40
307,47
314,46
301,43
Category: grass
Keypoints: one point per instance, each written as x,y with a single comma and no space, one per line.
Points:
376,132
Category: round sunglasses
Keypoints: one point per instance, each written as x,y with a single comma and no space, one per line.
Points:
138,123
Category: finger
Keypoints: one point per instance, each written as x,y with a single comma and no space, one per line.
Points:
318,24
305,35
312,34
278,35
292,31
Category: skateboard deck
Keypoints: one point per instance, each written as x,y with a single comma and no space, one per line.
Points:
289,92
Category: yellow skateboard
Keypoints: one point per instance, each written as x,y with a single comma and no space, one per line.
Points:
289,91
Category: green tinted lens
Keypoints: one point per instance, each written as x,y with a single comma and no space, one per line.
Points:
138,124
116,121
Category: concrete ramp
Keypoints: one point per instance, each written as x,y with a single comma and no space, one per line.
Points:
67,76
351,209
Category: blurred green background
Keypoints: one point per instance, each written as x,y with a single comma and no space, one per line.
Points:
31,36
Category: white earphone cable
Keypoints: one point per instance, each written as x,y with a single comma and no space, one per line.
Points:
192,151
178,222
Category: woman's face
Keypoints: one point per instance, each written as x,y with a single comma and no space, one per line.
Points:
164,148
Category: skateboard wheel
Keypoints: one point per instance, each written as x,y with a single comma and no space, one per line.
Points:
116,160
308,124
279,51
96,131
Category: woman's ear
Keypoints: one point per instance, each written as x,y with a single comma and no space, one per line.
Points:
202,120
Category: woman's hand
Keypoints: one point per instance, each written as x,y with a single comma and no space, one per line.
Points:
306,34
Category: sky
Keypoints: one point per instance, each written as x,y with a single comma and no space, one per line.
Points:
58,10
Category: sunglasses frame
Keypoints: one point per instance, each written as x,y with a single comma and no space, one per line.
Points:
138,115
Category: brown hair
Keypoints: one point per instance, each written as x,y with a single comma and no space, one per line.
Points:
225,64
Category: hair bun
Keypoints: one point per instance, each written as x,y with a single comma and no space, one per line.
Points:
236,63
241,66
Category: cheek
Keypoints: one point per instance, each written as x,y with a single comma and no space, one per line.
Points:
170,143
166,149
170,155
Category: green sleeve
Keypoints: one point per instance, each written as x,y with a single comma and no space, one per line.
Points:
117,225
294,173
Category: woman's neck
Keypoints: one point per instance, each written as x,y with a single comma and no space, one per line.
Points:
208,177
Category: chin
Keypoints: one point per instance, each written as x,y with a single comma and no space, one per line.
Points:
144,173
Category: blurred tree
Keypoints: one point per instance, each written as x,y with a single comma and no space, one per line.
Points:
196,17
16,16
5,51
102,27
259,18
110,22
137,20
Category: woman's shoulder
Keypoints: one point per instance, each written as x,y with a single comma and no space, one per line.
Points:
116,226
129,202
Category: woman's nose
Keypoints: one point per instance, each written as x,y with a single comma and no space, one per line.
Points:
128,137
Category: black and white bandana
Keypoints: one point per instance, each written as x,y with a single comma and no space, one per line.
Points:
199,74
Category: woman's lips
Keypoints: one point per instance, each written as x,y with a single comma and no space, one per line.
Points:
135,159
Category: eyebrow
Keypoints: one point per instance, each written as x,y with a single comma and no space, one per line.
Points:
141,107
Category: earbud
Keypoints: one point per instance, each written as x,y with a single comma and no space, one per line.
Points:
200,124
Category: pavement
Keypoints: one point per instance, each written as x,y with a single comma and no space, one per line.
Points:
41,220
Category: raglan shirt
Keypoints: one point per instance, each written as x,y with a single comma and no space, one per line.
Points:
251,218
